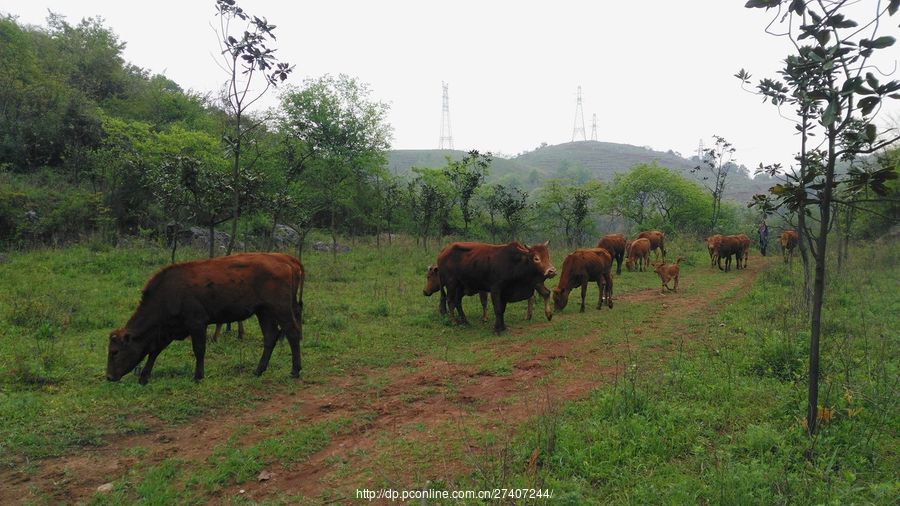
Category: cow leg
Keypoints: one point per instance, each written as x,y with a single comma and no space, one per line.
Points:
609,290
600,287
619,264
442,305
198,342
215,336
241,330
291,328
269,330
583,295
676,284
452,302
499,309
530,310
545,294
459,308
483,297
145,372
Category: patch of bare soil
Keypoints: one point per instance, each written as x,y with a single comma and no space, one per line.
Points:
426,394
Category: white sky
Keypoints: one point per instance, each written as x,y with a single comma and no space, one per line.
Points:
657,73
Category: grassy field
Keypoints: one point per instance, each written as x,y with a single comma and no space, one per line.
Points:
387,384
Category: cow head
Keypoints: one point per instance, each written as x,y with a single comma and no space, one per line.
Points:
432,281
560,298
539,255
124,354
629,264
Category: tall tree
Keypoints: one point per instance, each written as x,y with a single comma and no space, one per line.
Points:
247,60
467,175
567,207
334,134
832,75
715,164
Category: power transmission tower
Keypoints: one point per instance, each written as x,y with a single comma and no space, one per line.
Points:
594,127
701,151
446,135
579,116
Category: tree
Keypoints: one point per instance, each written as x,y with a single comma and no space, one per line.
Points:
656,197
831,82
466,176
246,59
428,197
334,134
512,204
715,165
567,206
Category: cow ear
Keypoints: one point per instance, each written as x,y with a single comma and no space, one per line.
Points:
547,243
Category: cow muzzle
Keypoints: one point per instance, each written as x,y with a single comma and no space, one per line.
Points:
549,273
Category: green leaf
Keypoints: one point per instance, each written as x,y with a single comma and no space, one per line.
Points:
872,80
871,132
893,6
868,104
831,112
879,43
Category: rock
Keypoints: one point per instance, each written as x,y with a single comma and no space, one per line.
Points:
328,246
264,475
285,237
105,488
199,236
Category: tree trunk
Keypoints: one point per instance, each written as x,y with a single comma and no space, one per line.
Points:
333,235
819,289
236,177
212,239
174,242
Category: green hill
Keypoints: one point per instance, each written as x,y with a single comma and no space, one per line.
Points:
578,161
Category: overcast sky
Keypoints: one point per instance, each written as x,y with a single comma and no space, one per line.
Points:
657,73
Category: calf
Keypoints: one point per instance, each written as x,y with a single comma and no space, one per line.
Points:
727,247
638,251
711,246
668,272
788,240
745,251
615,245
579,269
657,241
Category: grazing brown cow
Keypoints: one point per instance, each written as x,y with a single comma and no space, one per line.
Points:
745,251
788,240
433,284
510,272
728,246
638,251
657,240
579,269
667,272
615,245
711,245
182,299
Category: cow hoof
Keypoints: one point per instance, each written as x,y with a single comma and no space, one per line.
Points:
143,381
295,375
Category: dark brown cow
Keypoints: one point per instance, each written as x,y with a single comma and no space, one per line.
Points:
615,245
638,250
182,299
510,272
711,245
728,246
788,240
745,251
433,284
657,240
580,268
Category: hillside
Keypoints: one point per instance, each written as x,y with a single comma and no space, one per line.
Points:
579,161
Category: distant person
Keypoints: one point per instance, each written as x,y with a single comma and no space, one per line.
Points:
763,237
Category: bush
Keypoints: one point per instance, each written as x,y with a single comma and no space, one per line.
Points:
778,357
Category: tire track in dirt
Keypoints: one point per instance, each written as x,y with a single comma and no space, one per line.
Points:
425,392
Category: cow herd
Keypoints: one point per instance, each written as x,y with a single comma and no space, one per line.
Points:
181,300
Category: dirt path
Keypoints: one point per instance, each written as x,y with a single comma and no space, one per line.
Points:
428,400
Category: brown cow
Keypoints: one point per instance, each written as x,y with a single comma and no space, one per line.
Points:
745,251
510,272
638,250
728,246
788,240
711,245
657,240
433,284
615,245
580,268
668,272
182,299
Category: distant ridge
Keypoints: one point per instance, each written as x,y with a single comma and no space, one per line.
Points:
584,159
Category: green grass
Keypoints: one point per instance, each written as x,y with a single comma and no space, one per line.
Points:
722,421
57,307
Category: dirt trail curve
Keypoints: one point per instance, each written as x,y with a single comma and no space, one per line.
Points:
427,394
